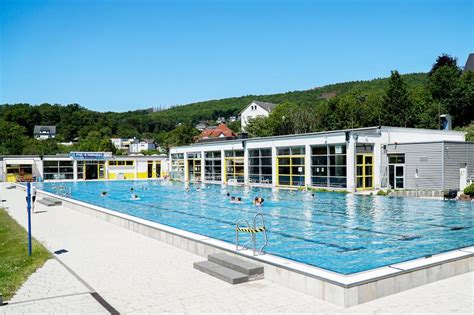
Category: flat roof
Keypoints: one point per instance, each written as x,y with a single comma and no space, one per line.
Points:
319,133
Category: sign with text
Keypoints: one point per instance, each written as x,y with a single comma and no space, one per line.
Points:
98,156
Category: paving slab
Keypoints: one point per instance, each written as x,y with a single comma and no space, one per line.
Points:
137,274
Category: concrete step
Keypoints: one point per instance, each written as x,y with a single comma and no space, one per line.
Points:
237,264
47,202
221,272
52,200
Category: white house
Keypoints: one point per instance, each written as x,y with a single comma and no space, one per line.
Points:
143,145
253,110
44,132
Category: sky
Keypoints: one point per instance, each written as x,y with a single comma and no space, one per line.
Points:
119,55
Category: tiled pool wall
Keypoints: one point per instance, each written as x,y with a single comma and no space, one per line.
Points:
342,290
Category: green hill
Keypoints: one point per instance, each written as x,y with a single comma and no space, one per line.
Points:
232,106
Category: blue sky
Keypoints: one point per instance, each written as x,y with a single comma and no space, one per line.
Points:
128,54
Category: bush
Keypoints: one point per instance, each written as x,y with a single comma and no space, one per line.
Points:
469,190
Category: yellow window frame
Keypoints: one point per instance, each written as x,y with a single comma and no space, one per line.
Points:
232,160
364,175
291,165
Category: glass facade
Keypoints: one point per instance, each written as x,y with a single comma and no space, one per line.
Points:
194,166
177,166
260,166
291,166
213,166
234,166
328,166
58,169
396,171
365,166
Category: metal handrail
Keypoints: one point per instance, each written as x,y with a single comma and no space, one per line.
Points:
237,226
262,221
253,231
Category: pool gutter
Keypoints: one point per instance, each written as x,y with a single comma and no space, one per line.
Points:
339,289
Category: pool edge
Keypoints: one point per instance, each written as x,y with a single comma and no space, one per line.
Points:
335,288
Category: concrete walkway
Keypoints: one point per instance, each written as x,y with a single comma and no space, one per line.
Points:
136,274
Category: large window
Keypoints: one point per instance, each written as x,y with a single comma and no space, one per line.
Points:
260,166
396,171
290,163
58,169
19,172
365,166
194,166
177,166
213,167
328,166
234,166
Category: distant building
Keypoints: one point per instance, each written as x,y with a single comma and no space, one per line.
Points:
255,109
144,145
220,120
233,118
44,132
469,63
213,133
203,124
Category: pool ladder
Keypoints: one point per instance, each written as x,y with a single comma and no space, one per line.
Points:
243,225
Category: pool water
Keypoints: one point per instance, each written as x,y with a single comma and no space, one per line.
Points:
344,233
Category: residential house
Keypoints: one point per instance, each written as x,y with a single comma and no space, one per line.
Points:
143,145
213,133
44,132
253,110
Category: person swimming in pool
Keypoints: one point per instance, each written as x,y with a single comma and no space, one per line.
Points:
258,201
239,200
232,199
228,194
135,197
103,194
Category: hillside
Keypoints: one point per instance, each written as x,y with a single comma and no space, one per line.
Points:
232,106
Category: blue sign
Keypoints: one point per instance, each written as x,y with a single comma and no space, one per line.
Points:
99,156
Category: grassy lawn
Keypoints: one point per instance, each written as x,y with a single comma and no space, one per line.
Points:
15,265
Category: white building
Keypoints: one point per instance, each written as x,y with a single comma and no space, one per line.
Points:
138,146
81,166
253,110
44,132
353,159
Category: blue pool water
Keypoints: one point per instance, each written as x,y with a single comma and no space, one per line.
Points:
344,233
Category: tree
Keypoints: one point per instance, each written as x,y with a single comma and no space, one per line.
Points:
460,103
396,105
181,135
259,127
441,61
107,146
12,137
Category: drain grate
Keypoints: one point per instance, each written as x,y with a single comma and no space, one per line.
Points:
61,251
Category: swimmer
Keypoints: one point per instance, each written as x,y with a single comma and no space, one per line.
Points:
135,197
228,194
312,195
239,200
103,194
232,199
258,201
131,188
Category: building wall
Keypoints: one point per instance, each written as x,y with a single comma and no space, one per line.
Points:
457,155
249,114
427,158
424,157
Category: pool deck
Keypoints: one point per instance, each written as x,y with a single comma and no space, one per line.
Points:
137,274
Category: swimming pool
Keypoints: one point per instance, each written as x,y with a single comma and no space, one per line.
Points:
344,233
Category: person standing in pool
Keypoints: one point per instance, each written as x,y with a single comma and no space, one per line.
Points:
258,201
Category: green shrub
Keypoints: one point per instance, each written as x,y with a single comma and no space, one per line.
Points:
469,190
